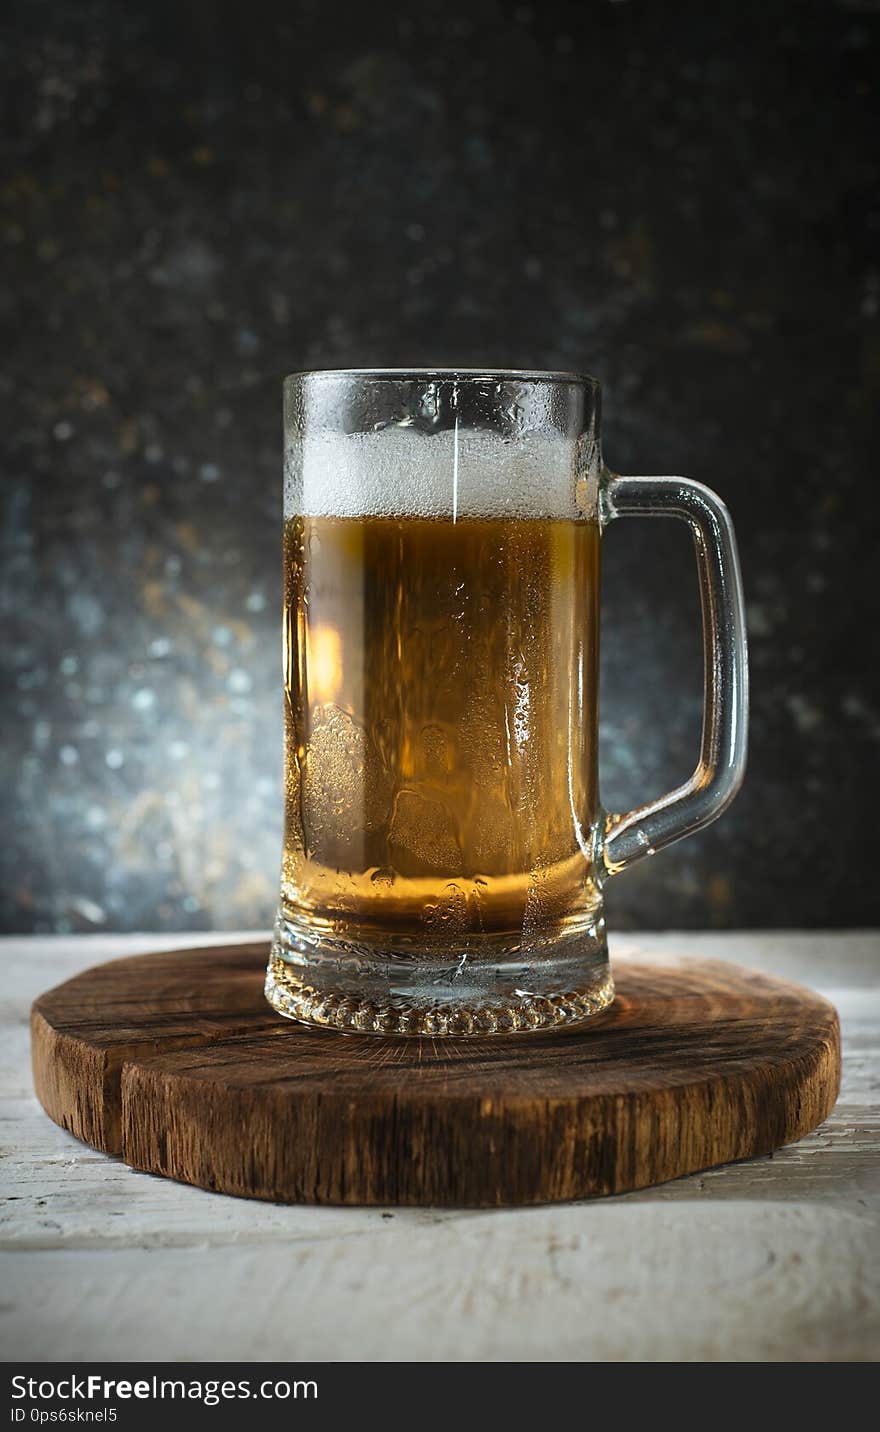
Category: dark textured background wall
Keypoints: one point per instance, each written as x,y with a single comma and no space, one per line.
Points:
199,197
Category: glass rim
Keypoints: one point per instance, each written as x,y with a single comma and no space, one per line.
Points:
448,375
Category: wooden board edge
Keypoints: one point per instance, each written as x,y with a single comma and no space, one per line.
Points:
77,1084
542,1151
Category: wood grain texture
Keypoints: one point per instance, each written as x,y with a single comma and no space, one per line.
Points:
84,1031
175,1061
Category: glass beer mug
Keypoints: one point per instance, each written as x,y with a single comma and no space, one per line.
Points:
445,847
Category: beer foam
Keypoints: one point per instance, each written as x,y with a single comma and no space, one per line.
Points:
400,472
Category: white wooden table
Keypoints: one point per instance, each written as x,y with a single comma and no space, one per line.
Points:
775,1259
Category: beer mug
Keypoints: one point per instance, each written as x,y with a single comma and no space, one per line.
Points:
445,847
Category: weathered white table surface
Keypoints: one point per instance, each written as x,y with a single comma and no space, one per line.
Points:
775,1259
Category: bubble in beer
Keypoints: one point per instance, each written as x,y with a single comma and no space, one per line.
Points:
383,877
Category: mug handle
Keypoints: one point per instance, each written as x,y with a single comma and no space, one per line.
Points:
721,767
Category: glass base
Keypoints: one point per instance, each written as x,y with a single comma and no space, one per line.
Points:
498,989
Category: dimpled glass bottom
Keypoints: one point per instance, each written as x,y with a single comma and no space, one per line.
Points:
338,985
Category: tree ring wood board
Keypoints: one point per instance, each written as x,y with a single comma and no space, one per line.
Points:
175,1061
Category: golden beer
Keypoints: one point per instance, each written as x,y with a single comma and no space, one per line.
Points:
440,728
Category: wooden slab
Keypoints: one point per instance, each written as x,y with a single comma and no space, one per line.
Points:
176,1062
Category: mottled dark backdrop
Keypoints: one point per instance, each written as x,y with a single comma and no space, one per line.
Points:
199,197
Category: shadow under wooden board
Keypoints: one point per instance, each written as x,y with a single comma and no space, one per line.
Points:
176,1062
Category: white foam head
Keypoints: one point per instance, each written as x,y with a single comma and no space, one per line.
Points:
400,472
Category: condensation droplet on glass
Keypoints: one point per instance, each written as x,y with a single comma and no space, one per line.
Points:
450,913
